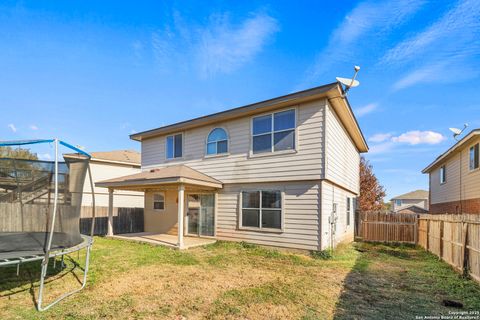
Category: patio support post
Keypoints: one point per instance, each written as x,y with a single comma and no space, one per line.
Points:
181,194
110,212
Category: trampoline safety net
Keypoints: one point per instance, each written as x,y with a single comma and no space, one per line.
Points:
27,193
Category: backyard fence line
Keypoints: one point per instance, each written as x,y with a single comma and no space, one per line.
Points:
388,227
125,220
453,238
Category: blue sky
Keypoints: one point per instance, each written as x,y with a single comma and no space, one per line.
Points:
93,72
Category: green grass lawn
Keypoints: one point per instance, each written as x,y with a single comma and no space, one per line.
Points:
240,281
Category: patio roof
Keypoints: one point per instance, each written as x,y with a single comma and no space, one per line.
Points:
177,174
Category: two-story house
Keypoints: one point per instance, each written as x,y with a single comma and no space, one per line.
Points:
282,172
411,202
455,177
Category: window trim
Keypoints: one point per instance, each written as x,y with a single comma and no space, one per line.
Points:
213,155
260,228
164,201
272,151
444,176
478,157
166,146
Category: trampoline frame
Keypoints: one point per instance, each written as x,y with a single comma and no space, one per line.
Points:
87,240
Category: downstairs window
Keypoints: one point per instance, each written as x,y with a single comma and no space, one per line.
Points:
261,209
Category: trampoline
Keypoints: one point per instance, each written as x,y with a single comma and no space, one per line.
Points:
40,205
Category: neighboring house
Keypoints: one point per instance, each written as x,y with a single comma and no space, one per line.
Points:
282,172
455,177
411,202
108,165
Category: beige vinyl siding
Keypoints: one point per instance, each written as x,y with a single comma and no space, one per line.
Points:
239,166
342,159
104,171
301,215
422,203
450,190
331,194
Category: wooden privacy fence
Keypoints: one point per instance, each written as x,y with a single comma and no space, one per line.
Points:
387,227
35,218
454,238
125,220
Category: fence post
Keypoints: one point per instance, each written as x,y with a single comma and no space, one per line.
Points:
441,239
415,230
428,235
464,248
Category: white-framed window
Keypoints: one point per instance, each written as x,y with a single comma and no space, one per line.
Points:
174,146
274,132
349,210
261,209
474,157
217,142
159,201
398,202
443,174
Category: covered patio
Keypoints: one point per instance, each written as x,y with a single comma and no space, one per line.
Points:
190,193
164,239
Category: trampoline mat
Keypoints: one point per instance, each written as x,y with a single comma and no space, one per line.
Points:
21,244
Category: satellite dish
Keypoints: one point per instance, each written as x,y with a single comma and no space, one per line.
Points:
457,132
349,83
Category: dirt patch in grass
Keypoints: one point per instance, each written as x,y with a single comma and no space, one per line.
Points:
243,281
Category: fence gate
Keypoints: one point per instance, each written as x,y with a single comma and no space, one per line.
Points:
387,227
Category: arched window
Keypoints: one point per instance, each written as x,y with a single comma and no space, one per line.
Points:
217,141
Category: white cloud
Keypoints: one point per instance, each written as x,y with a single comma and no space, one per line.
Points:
218,47
368,19
33,127
419,137
225,48
385,142
383,147
380,137
12,127
360,112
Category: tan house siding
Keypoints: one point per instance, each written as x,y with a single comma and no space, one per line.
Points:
104,171
241,167
342,159
163,221
301,216
458,174
331,194
422,203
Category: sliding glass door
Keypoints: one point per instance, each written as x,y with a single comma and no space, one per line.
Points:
201,214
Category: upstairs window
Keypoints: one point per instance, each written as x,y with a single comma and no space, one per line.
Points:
274,132
443,174
474,157
398,202
174,146
217,142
